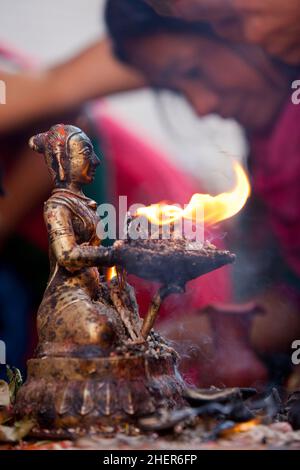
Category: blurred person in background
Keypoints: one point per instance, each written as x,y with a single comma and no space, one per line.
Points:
241,81
35,99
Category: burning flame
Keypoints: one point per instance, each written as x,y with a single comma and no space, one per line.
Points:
242,427
111,273
215,208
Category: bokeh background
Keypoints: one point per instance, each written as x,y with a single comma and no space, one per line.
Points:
50,32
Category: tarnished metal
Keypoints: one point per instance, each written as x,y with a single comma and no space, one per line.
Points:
88,369
155,305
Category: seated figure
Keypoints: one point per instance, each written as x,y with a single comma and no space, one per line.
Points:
72,318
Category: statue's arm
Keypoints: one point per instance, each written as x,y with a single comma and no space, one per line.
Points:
68,253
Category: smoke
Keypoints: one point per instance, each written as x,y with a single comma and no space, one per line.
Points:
214,234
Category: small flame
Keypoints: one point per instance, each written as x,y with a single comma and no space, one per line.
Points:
111,273
215,208
241,427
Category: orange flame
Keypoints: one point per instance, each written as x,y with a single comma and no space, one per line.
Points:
241,427
111,273
215,208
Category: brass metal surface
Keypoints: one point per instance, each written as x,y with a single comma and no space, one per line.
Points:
89,367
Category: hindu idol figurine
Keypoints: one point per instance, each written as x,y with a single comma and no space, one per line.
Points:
91,367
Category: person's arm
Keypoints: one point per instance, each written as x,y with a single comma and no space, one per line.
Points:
37,94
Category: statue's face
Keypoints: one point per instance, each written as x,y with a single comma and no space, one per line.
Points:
83,161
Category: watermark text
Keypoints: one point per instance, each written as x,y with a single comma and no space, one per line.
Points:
296,353
296,93
123,223
2,352
2,92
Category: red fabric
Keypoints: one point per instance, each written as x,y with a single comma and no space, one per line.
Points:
145,176
276,179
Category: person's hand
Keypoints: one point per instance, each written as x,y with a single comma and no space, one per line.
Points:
273,24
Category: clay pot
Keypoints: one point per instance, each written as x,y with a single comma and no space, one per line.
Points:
233,361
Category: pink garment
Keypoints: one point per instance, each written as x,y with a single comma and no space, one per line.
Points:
14,58
276,179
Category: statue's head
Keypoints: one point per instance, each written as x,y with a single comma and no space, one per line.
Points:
69,154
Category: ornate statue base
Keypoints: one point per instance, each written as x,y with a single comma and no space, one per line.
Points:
76,394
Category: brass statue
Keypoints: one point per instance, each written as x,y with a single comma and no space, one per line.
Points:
92,366
72,319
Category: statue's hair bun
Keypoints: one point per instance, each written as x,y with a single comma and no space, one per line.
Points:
37,143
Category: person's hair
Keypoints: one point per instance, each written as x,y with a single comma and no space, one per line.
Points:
54,145
130,19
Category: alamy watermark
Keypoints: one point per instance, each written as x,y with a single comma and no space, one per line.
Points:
124,222
296,353
296,93
2,92
2,352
